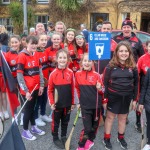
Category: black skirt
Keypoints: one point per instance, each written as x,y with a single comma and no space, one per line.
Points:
119,104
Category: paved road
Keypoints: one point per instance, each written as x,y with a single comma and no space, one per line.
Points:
45,142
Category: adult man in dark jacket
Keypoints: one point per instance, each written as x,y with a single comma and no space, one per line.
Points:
137,49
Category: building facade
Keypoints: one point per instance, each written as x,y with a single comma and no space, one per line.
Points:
113,10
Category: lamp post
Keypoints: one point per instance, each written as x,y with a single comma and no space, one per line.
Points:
25,25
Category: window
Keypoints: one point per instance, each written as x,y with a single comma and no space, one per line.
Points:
125,15
7,22
5,1
97,18
42,19
43,1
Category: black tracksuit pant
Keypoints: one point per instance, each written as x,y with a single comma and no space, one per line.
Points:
90,125
29,110
62,114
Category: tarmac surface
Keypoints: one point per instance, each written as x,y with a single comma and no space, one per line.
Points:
45,142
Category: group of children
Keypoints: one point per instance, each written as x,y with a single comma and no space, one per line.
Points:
62,70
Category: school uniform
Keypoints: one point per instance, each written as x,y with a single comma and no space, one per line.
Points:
11,58
42,100
51,53
85,82
2,84
121,86
29,75
143,64
63,81
74,63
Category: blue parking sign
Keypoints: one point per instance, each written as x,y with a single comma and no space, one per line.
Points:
99,45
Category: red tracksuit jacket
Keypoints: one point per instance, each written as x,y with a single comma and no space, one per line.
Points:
63,81
85,82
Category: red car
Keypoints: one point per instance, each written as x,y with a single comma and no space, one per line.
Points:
143,36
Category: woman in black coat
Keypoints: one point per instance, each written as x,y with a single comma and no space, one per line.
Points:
3,38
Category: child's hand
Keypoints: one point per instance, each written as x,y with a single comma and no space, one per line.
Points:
40,91
53,107
72,107
28,96
98,85
134,105
141,107
78,106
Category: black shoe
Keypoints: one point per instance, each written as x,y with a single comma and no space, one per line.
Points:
63,139
123,143
138,127
107,144
58,143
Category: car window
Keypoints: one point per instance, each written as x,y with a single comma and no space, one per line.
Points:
143,37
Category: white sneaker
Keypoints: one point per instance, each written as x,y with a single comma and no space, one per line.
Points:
6,115
21,119
39,122
15,119
1,116
46,118
146,147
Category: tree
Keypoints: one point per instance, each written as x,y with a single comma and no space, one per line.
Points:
68,5
72,14
16,13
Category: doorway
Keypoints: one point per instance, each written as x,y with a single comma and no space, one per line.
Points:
145,22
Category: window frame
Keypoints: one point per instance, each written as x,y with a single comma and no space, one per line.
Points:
5,2
42,1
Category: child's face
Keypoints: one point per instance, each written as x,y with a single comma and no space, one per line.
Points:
70,36
62,60
123,54
80,41
86,63
59,28
15,44
31,47
42,41
148,48
56,40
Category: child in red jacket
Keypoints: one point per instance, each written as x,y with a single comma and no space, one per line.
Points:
62,81
90,91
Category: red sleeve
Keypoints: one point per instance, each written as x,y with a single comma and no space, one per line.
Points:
77,85
50,90
6,56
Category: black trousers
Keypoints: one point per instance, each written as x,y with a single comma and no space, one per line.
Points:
148,126
29,110
90,125
62,114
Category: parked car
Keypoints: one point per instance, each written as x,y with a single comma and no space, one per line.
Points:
143,36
